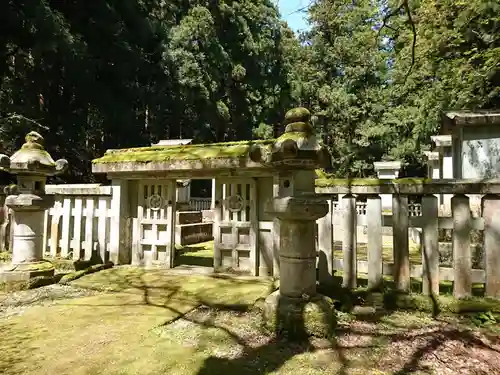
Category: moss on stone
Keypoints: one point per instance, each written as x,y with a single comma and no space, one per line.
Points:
233,150
35,267
294,136
77,274
62,264
321,174
323,181
33,283
5,256
297,320
299,114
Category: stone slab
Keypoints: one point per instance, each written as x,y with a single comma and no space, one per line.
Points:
188,234
188,217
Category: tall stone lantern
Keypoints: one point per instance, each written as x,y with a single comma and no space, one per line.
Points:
28,201
296,310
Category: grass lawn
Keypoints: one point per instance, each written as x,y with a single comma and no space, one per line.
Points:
201,254
114,332
153,322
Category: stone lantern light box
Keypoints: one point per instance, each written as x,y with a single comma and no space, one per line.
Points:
28,201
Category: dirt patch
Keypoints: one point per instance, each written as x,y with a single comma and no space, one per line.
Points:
402,343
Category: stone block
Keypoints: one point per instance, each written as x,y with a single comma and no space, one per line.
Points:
25,272
188,234
188,217
183,206
208,215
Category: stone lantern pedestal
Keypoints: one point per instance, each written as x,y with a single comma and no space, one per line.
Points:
28,202
296,310
27,238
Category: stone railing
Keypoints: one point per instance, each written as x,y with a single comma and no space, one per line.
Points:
83,223
358,237
78,225
403,261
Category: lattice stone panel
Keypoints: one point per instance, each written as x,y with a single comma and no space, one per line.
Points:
153,231
236,235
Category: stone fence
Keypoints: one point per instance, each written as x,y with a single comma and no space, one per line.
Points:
78,225
358,237
414,205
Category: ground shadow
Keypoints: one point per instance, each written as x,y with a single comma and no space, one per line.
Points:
190,260
264,358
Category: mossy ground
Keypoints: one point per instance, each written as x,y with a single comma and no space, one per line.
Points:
147,322
113,332
201,254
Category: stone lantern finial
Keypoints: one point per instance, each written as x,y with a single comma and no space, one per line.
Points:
297,147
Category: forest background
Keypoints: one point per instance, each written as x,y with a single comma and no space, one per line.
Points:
376,75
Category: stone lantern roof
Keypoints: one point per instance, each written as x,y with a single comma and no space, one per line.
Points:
32,159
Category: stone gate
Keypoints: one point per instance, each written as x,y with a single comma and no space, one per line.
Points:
247,174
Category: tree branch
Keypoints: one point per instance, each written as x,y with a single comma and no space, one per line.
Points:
403,5
386,18
15,116
414,42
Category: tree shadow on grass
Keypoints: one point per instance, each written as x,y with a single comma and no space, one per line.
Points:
276,351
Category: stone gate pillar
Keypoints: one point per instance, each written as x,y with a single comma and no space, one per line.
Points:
296,310
28,201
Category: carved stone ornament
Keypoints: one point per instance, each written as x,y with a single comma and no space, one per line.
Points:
155,202
234,203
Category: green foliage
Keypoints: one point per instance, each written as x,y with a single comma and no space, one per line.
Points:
484,319
342,79
263,131
380,97
121,74
124,74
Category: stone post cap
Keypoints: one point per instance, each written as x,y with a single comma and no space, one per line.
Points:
32,158
387,165
296,148
442,140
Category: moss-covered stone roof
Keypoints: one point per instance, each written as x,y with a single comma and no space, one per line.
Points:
410,186
226,150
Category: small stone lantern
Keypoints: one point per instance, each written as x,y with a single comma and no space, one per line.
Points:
296,310
28,201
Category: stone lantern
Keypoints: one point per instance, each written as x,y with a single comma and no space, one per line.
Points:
28,201
296,309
